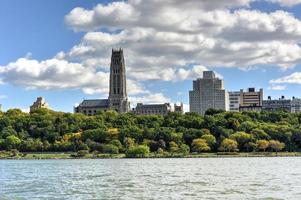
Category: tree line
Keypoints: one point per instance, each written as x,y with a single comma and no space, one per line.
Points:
109,132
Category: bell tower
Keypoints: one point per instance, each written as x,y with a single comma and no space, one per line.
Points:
118,99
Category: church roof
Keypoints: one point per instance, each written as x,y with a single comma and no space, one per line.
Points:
103,103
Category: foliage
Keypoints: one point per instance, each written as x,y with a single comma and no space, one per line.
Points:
140,151
184,149
262,144
200,145
228,145
210,139
110,148
110,132
276,145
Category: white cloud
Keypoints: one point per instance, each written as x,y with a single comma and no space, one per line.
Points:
196,33
288,3
150,98
59,74
3,97
143,13
294,78
277,87
170,40
26,110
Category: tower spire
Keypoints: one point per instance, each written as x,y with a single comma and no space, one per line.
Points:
118,93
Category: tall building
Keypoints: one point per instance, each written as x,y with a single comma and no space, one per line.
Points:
118,99
39,103
208,92
296,105
234,101
277,104
251,100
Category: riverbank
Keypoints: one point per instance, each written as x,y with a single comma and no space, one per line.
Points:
71,155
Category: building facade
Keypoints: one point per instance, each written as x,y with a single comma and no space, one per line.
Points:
179,108
153,109
296,105
39,103
251,100
208,92
234,101
118,99
281,104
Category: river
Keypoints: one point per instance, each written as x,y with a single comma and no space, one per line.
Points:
204,178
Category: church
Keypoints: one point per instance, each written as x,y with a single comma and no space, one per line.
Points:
118,99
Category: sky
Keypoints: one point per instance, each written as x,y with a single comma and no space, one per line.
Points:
60,49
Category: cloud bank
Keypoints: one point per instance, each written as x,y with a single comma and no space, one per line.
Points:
170,40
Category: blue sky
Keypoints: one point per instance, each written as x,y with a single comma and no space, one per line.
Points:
51,37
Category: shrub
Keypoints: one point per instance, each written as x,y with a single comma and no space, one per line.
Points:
184,149
82,153
140,151
110,148
83,146
160,151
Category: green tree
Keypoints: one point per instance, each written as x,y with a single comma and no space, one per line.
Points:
210,139
260,134
242,138
12,142
276,145
111,149
7,131
129,142
200,145
140,151
228,145
262,144
184,149
117,143
173,147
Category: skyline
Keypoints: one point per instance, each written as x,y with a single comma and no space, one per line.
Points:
267,49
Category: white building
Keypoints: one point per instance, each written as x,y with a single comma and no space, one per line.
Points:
296,105
234,100
208,92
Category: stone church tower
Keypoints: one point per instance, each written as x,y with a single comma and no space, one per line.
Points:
118,99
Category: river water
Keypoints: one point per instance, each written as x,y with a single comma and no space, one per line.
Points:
204,178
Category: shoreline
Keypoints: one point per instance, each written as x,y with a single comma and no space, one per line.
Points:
70,155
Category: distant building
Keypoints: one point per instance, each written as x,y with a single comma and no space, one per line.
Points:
208,92
296,105
179,108
251,100
153,109
118,99
92,106
234,101
277,104
39,103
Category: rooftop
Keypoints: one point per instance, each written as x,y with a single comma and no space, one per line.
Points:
95,103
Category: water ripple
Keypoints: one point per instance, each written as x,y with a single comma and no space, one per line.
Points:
205,178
